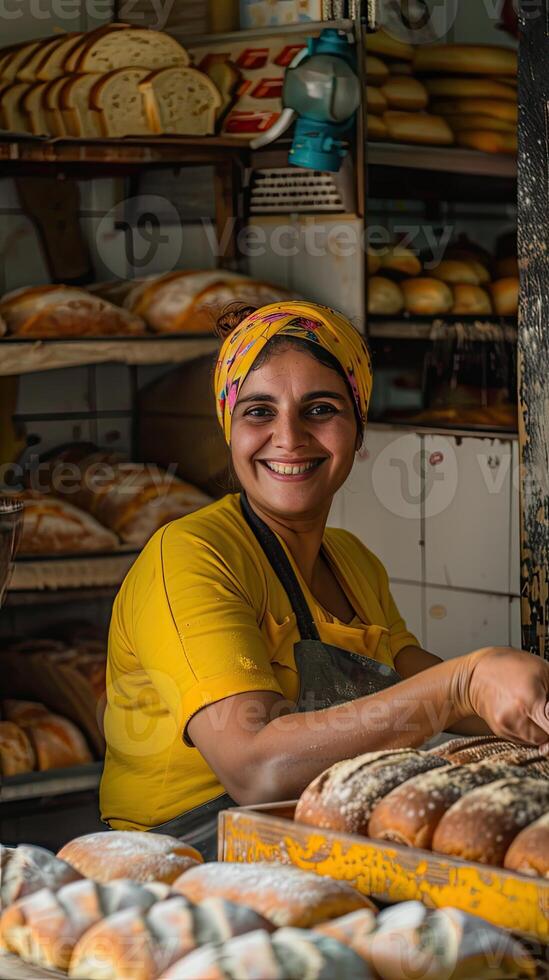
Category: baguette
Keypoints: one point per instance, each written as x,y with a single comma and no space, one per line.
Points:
384,296
16,753
375,100
57,310
26,869
487,141
471,300
427,296
505,296
482,825
464,88
418,127
44,928
376,70
529,852
382,43
344,796
119,105
494,108
128,47
465,59
135,854
283,895
402,92
140,943
180,100
411,813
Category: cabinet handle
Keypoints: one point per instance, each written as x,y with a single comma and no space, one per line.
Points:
436,458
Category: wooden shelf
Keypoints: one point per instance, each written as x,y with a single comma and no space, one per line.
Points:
24,355
54,782
481,329
442,159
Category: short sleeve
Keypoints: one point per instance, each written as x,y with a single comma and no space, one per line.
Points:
194,625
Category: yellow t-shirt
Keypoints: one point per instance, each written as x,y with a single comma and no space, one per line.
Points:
201,616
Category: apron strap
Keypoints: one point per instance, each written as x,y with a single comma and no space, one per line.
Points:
283,569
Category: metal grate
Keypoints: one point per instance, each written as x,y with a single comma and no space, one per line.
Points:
286,190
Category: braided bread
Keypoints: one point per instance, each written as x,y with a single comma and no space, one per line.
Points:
26,869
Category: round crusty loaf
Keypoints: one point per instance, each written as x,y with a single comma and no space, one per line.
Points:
344,796
26,869
411,813
426,296
286,896
134,854
471,300
482,825
529,852
384,296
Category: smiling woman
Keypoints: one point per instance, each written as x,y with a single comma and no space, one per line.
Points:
251,646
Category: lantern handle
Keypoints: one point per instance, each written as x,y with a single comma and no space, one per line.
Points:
287,115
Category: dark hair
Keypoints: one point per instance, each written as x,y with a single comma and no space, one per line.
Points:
233,315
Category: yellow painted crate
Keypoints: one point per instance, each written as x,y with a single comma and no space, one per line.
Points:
388,872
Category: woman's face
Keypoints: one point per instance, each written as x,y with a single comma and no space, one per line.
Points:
293,436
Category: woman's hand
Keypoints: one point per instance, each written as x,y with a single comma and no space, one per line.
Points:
510,690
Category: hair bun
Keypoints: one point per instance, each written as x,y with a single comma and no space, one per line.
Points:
231,317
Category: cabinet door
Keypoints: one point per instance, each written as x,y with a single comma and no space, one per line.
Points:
460,622
410,599
467,502
381,500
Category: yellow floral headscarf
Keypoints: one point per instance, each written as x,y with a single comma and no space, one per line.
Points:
316,324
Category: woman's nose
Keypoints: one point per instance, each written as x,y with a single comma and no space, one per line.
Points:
289,433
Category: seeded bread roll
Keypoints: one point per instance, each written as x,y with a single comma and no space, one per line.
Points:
286,896
482,825
26,869
133,854
140,943
529,852
411,813
344,796
44,928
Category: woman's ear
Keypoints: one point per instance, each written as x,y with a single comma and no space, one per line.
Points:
359,441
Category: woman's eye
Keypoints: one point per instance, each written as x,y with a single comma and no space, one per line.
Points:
317,411
259,412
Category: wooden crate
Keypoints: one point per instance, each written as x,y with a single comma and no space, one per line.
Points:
388,872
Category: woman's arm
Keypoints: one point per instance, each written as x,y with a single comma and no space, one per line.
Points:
412,660
259,757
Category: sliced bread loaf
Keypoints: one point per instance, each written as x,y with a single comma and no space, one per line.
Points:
74,103
18,57
225,76
52,64
129,47
118,103
52,105
85,41
180,100
13,115
32,106
28,68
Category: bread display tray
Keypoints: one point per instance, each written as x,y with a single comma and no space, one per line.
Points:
387,872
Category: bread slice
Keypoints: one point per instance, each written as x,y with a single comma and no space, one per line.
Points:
54,116
118,103
52,64
13,115
225,76
18,57
27,69
129,47
32,106
180,100
74,104
85,41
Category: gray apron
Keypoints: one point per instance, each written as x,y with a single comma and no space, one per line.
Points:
328,675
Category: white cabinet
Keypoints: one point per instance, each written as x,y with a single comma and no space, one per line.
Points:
458,622
381,500
410,601
467,506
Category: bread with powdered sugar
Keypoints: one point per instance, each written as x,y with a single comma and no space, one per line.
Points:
134,854
529,852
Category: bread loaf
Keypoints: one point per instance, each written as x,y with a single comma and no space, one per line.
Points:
23,713
354,930
32,107
401,260
43,928
376,70
374,261
284,895
287,955
455,271
471,300
16,753
57,743
139,943
465,123
411,813
226,77
74,100
384,296
52,526
64,311
16,58
494,108
465,88
487,141
26,869
377,130
106,51
14,117
344,796
134,854
482,825
85,41
505,296
117,104
474,749
54,58
426,296
382,43
418,127
36,55
465,59
529,852
404,92
190,302
180,100
375,100
55,120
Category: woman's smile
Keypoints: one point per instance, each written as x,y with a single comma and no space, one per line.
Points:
290,469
